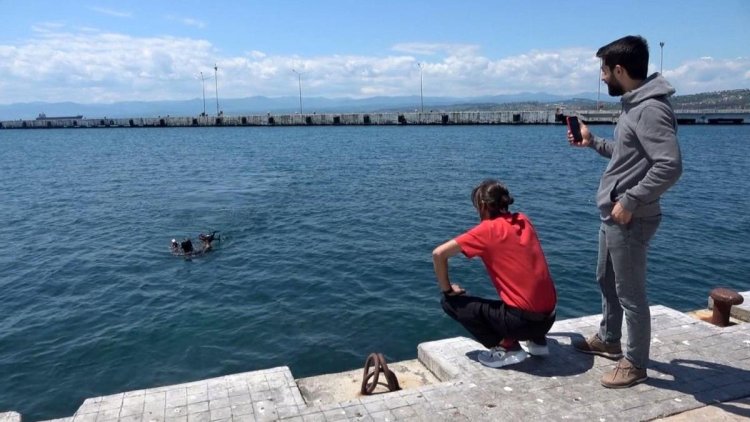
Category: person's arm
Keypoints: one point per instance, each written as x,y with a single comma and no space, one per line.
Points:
599,145
440,261
602,146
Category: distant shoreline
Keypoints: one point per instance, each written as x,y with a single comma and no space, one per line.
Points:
736,100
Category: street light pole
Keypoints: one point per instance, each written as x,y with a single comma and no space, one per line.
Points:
598,86
203,84
661,61
299,82
216,79
421,96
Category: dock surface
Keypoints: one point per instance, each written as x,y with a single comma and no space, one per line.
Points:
695,366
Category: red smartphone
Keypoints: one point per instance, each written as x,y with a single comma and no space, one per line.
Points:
575,128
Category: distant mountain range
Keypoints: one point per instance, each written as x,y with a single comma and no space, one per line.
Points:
287,105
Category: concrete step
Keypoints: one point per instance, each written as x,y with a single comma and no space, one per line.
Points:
10,417
344,386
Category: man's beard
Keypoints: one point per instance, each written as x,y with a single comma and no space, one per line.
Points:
614,88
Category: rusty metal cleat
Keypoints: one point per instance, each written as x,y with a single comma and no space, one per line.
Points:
723,298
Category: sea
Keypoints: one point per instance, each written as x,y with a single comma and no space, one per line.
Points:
325,244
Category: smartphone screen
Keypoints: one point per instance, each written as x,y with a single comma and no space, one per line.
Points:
575,128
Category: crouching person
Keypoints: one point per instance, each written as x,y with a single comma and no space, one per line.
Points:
515,263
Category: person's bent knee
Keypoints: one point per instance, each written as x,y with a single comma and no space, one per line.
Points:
446,305
449,306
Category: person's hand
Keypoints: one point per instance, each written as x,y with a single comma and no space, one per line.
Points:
620,215
456,290
585,134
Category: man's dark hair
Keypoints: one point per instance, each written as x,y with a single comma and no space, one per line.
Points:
493,195
630,52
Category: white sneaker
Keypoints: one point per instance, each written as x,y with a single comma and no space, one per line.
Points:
498,357
535,349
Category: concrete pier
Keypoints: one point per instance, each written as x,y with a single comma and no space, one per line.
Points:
329,119
695,366
543,117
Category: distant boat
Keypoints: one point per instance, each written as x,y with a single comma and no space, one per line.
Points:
43,116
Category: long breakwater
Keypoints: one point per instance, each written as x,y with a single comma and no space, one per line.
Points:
543,117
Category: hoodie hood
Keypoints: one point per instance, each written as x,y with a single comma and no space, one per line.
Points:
654,86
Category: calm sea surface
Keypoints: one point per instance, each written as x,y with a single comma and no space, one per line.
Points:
326,234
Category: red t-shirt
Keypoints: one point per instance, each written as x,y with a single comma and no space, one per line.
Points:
513,256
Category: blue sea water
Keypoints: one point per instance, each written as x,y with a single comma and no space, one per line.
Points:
326,234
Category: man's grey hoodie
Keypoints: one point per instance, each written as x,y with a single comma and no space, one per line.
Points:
645,158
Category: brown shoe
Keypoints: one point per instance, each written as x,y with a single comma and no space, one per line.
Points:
595,346
624,375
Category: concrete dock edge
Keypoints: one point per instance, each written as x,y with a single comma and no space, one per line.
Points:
694,366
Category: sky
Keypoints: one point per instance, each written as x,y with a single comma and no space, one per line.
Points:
101,51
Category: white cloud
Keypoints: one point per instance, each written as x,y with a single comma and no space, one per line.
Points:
193,22
100,67
710,74
112,12
431,49
188,21
257,54
95,66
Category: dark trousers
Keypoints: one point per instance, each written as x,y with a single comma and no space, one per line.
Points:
490,321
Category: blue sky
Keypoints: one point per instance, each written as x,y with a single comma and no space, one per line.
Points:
108,51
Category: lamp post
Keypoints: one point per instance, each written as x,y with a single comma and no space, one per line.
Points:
421,96
203,84
216,79
661,61
598,85
299,82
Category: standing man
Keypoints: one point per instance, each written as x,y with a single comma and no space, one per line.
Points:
645,161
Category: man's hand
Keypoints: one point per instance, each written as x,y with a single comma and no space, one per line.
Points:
620,215
585,134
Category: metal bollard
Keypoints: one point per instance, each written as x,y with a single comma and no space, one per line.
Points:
723,298
377,362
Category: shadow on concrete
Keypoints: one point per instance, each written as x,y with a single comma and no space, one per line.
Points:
708,382
562,360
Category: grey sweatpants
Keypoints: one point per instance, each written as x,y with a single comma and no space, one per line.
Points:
621,272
